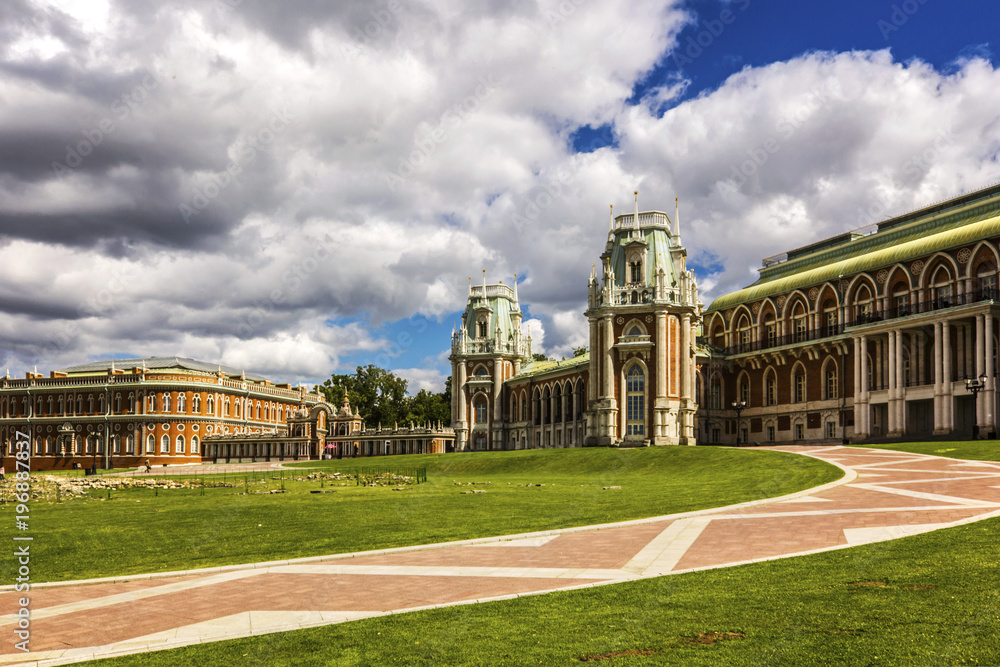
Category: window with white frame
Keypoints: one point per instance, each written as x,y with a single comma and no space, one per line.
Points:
831,429
635,401
165,444
180,445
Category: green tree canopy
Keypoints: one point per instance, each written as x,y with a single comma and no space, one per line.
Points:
379,396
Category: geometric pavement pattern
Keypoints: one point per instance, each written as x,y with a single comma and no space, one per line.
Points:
884,495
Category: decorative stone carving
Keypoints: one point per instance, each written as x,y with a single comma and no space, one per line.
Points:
964,254
813,293
620,320
917,267
756,308
882,276
780,302
649,319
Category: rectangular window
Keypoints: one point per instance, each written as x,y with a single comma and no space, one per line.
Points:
800,329
799,432
481,412
989,284
831,322
944,296
745,393
715,436
772,334
800,388
772,398
831,429
770,433
831,384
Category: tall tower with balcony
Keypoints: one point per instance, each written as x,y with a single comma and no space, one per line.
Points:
643,311
487,350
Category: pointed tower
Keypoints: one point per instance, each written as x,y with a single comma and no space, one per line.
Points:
642,319
488,349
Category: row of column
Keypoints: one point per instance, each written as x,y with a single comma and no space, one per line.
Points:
978,358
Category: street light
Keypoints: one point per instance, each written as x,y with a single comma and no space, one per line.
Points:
739,406
975,385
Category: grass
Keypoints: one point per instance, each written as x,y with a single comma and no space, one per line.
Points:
975,450
930,599
142,530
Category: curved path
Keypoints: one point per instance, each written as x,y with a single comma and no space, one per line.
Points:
884,495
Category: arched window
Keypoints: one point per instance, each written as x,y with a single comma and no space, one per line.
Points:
770,387
830,389
986,274
181,400
130,444
210,404
194,444
226,410
480,410
524,407
557,410
150,444
258,411
715,392
118,404
635,401
830,317
165,444
901,299
180,445
150,405
799,384
196,404
635,272
743,333
166,403
79,404
800,320
90,404
770,330
941,288
61,406
744,389
864,305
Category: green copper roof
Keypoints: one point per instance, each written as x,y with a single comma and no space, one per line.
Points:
539,367
500,300
158,363
924,236
659,244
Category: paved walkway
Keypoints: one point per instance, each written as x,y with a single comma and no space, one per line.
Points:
885,495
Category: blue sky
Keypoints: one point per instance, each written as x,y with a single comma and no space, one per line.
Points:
302,188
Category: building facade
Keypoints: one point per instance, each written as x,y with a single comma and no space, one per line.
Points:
870,335
635,387
126,412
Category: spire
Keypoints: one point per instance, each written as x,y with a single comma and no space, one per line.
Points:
484,284
677,221
470,286
635,216
515,288
611,221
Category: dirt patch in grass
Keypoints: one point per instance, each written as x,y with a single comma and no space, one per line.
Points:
595,657
709,638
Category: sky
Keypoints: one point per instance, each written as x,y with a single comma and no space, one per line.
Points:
302,187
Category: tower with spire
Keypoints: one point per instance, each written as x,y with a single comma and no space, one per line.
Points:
488,348
643,311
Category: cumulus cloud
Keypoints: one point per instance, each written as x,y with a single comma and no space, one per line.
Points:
264,186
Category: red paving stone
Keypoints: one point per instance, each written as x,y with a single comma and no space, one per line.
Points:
766,530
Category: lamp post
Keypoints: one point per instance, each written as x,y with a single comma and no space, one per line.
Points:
975,385
738,406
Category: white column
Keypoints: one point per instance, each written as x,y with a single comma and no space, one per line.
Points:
980,367
858,406
661,374
939,425
990,390
609,369
946,371
595,359
863,383
891,407
901,381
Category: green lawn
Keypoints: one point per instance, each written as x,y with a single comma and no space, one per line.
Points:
977,450
928,600
142,530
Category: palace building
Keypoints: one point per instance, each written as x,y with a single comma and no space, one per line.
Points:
125,412
882,333
885,332
637,384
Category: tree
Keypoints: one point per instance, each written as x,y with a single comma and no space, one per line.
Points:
539,357
579,351
379,396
